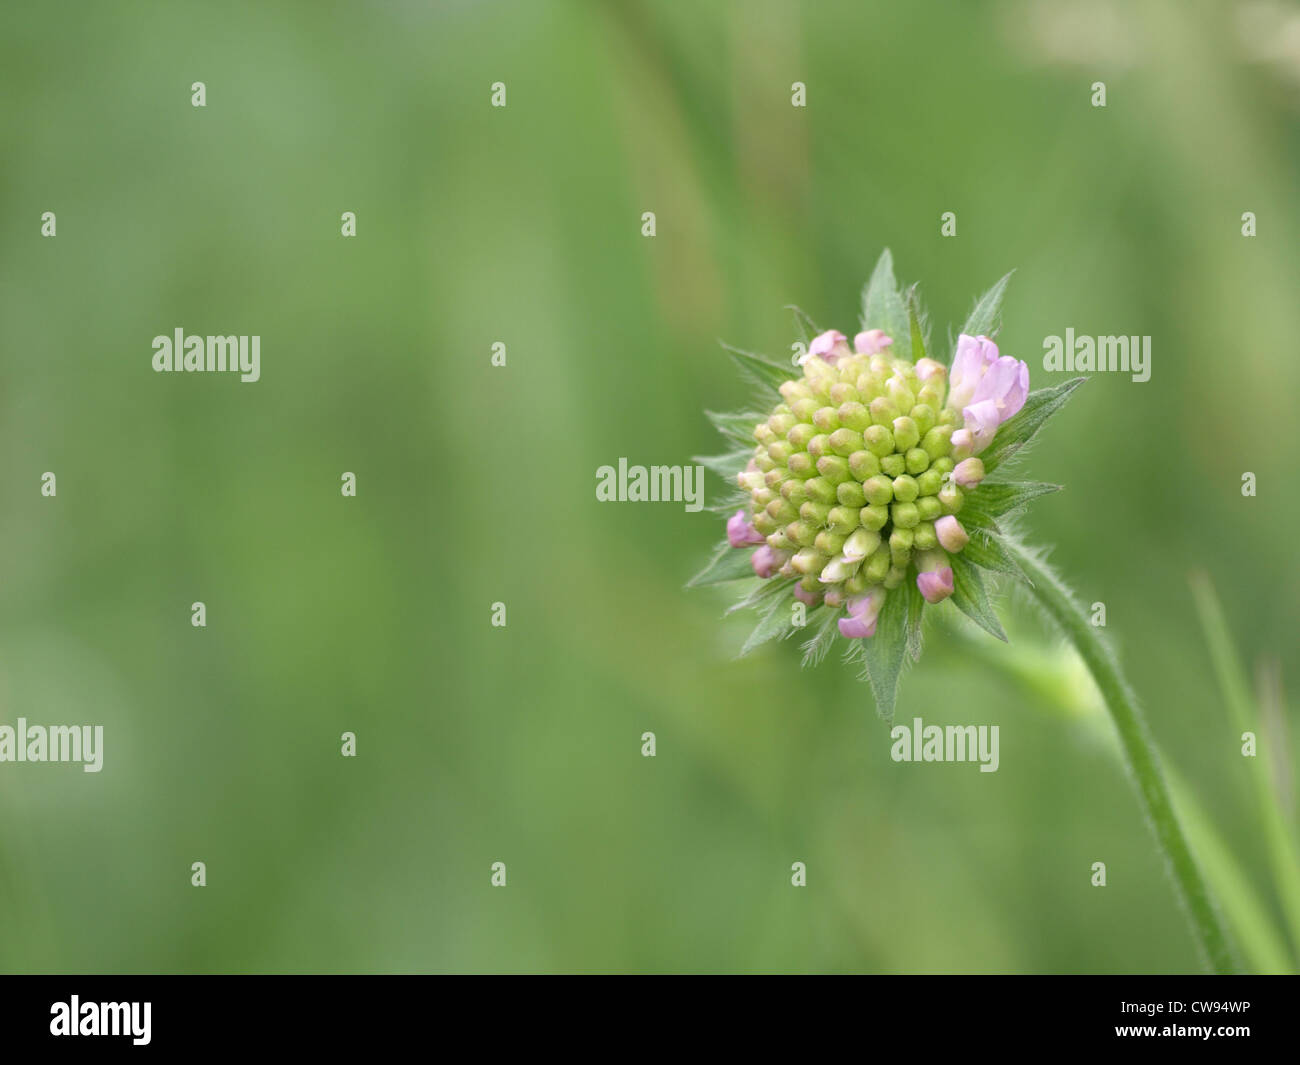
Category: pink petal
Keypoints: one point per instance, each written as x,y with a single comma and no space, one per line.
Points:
982,421
765,561
857,628
871,341
806,597
952,537
741,533
830,345
935,585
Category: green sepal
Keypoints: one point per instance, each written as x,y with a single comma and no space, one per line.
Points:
987,552
814,649
882,655
728,465
738,427
804,325
1018,430
768,375
915,614
774,624
882,307
919,326
985,316
765,589
970,597
734,500
996,498
727,564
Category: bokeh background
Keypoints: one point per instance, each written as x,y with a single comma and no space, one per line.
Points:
476,484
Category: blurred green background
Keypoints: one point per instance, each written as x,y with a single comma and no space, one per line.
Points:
476,484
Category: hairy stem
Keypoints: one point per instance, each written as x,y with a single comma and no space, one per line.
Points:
1139,754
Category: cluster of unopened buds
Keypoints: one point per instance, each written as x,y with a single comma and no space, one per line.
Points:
859,476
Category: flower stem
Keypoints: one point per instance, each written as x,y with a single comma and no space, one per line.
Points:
1139,753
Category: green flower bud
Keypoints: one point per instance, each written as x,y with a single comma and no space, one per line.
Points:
809,560
948,416
929,508
764,523
814,514
842,392
929,482
819,446
898,392
763,460
895,576
893,466
782,511
826,420
924,416
924,537
776,476
904,515
878,490
862,544
801,465
868,388
854,416
793,489
931,394
842,519
779,451
801,532
879,441
906,434
863,464
943,465
838,569
900,546
829,543
820,489
858,583
850,494
874,517
778,541
763,434
799,435
951,498
883,410
802,410
794,389
917,461
763,497
905,489
938,441
875,568
846,441
835,468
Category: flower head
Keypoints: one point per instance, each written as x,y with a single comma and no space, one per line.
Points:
853,485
